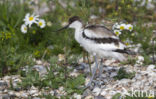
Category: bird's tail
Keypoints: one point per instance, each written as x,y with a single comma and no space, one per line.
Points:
130,52
126,51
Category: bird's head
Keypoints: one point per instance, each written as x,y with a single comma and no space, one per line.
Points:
73,22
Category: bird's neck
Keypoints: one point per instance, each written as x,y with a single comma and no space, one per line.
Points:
78,28
77,25
78,33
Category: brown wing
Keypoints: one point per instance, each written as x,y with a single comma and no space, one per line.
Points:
100,31
95,31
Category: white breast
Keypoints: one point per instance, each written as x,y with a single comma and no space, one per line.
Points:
78,35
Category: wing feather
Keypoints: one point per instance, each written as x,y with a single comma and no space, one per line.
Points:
105,37
98,31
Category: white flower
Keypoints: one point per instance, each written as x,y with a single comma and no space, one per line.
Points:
117,32
24,28
129,27
128,42
140,60
41,23
49,24
64,23
77,96
122,26
30,19
74,74
61,57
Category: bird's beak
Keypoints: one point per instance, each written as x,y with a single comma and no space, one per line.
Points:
65,27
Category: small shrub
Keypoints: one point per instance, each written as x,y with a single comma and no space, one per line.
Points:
123,74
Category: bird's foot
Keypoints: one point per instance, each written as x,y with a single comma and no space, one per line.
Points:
89,85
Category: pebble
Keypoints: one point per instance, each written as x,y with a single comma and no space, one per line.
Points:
77,96
24,95
138,76
41,69
39,62
99,97
31,92
82,66
11,93
36,98
112,93
6,78
96,91
103,75
61,88
151,67
144,79
103,93
52,92
17,94
35,94
124,81
89,97
3,83
74,74
17,89
86,92
5,91
113,74
109,67
4,96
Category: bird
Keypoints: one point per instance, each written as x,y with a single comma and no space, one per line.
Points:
98,41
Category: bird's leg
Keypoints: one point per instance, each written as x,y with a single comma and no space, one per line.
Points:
94,72
84,56
89,64
100,68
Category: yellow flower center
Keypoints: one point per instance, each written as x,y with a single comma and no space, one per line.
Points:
122,28
126,44
150,97
130,28
133,34
25,28
117,33
40,23
31,18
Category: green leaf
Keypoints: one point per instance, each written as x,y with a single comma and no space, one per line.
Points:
116,96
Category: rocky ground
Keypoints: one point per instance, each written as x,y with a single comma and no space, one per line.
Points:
143,80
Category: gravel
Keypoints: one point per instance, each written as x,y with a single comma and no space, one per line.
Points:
144,79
